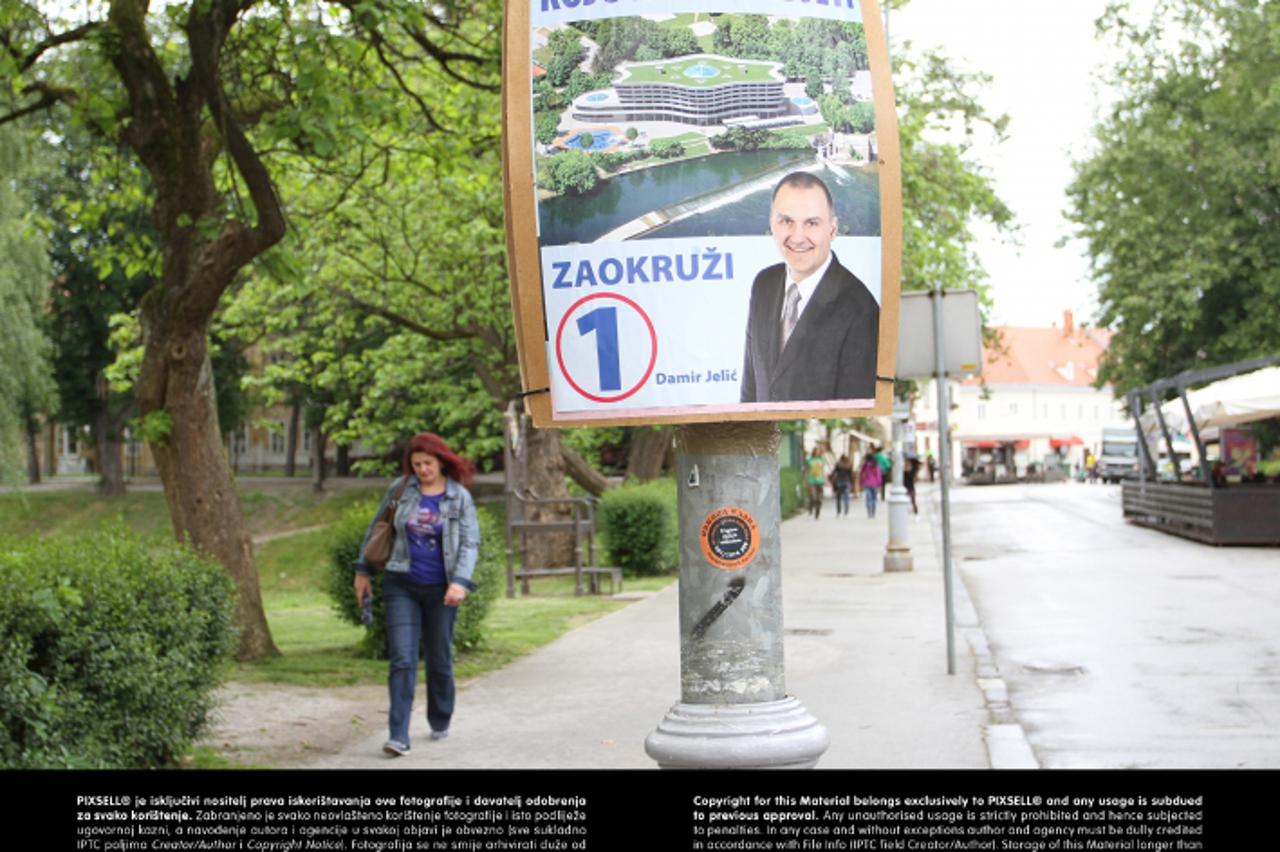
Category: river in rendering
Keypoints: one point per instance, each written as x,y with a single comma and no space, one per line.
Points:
620,199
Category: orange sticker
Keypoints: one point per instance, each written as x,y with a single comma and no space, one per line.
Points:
730,538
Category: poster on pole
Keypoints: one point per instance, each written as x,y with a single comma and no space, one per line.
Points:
703,209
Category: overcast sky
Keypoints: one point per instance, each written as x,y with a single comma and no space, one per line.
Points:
1043,57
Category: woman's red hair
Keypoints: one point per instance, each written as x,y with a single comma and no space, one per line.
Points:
454,466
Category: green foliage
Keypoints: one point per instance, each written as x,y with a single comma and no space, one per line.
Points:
791,491
26,387
156,427
641,527
571,172
741,138
667,149
854,117
1179,200
345,538
546,127
109,650
614,160
943,192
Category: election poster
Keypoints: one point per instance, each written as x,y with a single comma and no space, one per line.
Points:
704,211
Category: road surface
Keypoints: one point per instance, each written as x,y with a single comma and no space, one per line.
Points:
1122,646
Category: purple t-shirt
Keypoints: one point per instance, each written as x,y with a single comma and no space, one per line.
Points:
424,532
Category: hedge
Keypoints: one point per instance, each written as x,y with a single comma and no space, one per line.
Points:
791,491
345,538
640,527
110,650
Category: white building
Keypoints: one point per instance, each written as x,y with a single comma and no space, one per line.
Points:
1034,404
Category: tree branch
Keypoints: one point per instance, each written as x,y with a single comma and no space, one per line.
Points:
77,34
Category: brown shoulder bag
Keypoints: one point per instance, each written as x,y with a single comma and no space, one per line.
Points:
378,550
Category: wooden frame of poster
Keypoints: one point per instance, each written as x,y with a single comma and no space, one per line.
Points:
536,259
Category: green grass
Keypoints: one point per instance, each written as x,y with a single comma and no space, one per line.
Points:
68,512
683,138
755,72
292,505
316,647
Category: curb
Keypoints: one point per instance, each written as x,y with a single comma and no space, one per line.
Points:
1006,740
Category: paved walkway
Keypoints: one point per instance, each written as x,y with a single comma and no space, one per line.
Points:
865,654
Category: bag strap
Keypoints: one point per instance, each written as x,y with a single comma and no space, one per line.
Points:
390,512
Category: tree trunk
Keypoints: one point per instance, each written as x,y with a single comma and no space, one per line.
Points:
546,469
291,442
33,451
108,430
110,450
51,449
342,464
177,380
648,452
317,459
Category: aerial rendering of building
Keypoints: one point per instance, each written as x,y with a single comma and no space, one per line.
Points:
701,90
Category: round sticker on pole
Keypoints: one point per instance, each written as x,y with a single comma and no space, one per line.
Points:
730,538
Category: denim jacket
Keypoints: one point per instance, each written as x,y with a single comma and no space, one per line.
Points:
460,534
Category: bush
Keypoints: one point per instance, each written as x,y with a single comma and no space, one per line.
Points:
791,491
109,650
345,538
641,528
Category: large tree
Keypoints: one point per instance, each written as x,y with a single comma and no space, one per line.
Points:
1179,201
26,389
944,191
204,94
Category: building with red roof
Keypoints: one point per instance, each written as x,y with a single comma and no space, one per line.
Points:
1034,404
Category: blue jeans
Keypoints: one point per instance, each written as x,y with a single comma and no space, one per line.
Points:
871,501
842,500
417,613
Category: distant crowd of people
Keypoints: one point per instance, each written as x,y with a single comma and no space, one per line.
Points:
869,480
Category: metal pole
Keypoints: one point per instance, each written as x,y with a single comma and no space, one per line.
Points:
1148,465
944,464
1205,469
897,555
734,712
1168,439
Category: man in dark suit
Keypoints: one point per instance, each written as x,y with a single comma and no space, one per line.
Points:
813,326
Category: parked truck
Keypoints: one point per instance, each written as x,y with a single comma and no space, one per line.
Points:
1118,458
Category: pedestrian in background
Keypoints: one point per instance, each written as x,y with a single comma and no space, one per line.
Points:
815,477
842,482
886,469
870,478
911,469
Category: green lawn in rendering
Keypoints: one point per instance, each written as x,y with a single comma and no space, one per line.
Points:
719,71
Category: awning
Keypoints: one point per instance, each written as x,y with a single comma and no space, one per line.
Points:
1018,444
1239,399
1071,441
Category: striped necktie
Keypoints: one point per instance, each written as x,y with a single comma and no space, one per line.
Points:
790,314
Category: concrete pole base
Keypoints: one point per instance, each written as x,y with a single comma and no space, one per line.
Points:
898,559
766,735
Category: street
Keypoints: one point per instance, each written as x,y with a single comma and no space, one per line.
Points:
1122,646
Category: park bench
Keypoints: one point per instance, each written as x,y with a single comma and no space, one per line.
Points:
575,516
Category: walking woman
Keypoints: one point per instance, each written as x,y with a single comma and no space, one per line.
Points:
870,478
437,541
842,481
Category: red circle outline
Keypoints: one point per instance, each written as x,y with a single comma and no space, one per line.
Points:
653,336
